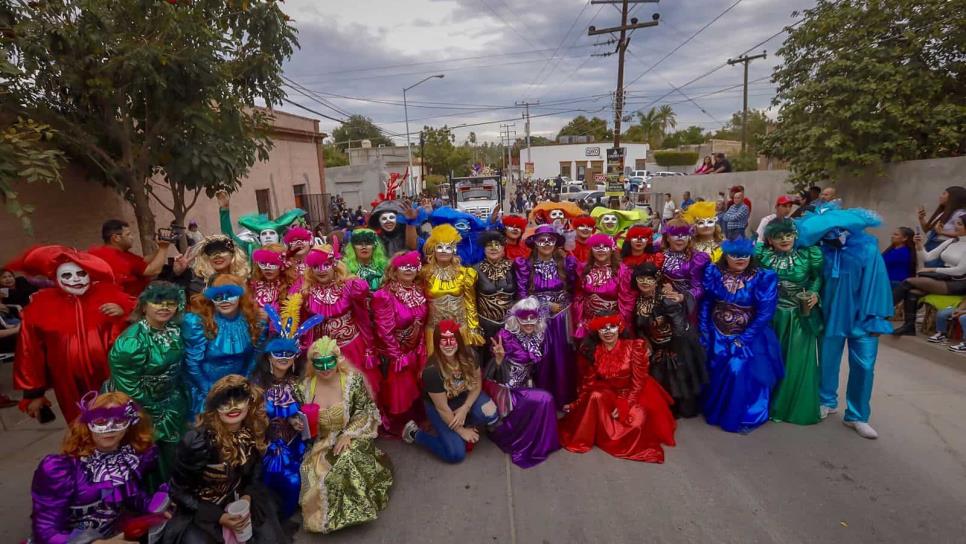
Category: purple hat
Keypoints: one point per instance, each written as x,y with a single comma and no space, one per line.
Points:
545,229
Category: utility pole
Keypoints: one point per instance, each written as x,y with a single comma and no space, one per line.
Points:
622,43
745,59
526,116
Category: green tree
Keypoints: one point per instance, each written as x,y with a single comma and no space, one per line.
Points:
581,126
26,157
675,158
650,124
441,156
150,96
866,82
758,126
334,156
357,128
692,135
667,119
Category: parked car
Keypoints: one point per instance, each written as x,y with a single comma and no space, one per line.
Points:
667,174
638,183
573,196
591,198
568,190
640,174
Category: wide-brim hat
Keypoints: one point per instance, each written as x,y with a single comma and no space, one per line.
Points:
545,229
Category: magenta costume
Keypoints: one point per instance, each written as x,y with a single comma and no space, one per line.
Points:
345,307
541,279
267,292
400,318
685,270
602,293
83,499
528,428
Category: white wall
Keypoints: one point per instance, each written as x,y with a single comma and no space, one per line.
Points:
547,158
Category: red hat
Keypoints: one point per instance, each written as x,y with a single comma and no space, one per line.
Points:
515,221
584,221
44,260
783,200
602,321
640,231
449,326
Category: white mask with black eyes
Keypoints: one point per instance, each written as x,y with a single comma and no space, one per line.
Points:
73,279
557,217
608,221
387,221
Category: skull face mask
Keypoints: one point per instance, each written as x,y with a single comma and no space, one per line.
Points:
557,217
268,236
387,221
609,222
73,279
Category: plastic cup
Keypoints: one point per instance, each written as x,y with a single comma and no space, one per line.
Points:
241,508
803,299
311,411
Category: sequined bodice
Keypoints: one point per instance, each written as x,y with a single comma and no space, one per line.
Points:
331,419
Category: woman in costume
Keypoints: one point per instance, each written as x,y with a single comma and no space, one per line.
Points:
496,285
559,215
683,265
146,361
400,311
217,464
514,226
707,233
454,399
468,226
222,335
639,247
584,227
604,285
216,254
677,359
345,478
551,276
365,257
271,277
528,426
797,321
390,222
744,357
620,408
616,222
298,242
278,374
450,286
344,303
83,493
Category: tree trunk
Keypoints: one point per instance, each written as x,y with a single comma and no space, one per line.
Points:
142,212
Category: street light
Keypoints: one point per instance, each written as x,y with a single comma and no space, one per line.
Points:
409,147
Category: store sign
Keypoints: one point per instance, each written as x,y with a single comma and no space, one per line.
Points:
615,169
600,178
528,168
591,151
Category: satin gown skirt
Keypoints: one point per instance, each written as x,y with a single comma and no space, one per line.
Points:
558,374
795,399
637,434
738,395
529,432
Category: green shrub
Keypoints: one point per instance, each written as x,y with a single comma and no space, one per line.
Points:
675,158
744,162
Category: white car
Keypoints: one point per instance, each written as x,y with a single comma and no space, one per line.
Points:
667,174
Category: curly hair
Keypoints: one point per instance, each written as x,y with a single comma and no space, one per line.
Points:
256,421
205,309
78,441
202,264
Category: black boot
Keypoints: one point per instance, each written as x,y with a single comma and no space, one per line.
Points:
910,304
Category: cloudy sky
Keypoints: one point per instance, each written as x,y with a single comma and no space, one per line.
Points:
356,57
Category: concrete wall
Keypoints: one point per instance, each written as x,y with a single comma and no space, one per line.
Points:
894,194
359,185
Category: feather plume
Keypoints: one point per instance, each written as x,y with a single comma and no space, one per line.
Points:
291,315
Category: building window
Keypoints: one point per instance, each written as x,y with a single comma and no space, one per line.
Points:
581,171
263,199
299,190
565,168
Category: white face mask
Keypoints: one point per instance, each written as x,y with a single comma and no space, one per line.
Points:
557,217
268,236
73,279
387,221
609,221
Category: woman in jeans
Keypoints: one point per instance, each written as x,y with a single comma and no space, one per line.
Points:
944,318
455,402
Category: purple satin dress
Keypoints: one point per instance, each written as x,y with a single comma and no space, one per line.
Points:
83,499
528,430
685,269
541,279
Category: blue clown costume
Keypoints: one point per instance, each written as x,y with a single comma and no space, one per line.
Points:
856,303
283,404
469,250
744,356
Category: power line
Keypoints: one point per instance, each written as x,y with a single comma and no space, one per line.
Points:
554,54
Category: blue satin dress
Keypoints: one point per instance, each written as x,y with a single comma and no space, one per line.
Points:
206,360
744,356
280,465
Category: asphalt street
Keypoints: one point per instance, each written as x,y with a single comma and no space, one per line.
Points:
782,483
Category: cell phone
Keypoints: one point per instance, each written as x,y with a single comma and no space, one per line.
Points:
166,235
918,230
46,415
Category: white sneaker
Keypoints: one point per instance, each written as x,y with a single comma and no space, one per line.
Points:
863,429
958,348
824,411
409,432
937,338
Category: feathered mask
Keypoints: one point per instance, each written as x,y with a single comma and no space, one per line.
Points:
287,325
739,248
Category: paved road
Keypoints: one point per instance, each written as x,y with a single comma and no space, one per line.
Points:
782,483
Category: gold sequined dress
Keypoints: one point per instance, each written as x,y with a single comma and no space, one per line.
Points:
451,292
352,487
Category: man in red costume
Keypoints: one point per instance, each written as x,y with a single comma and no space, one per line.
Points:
67,330
584,227
514,227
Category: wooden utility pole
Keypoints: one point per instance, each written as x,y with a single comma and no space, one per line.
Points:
622,43
526,116
745,59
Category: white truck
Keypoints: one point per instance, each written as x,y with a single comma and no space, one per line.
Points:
476,195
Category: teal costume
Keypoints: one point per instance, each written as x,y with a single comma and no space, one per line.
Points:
257,223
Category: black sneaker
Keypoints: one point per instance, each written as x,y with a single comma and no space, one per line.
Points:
958,348
937,338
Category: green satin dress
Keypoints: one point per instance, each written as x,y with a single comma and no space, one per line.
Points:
352,487
795,399
146,364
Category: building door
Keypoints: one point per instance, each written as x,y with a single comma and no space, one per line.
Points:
581,171
596,167
299,191
263,199
565,168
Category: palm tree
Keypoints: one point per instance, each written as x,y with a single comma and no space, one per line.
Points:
667,118
650,125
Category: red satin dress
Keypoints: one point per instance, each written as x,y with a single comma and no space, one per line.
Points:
620,380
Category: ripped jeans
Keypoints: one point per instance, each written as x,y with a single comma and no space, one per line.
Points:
446,443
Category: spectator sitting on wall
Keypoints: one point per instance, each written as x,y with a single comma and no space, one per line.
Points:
721,164
706,167
783,209
131,272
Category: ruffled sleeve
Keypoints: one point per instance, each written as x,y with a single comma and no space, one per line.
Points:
699,263
196,345
52,491
190,460
472,335
127,357
359,300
